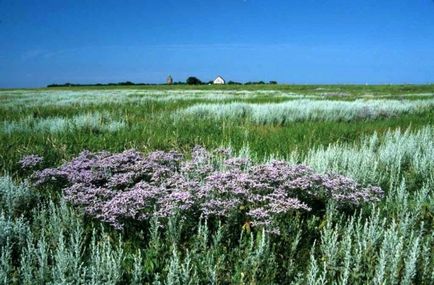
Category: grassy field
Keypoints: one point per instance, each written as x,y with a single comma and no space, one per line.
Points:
373,135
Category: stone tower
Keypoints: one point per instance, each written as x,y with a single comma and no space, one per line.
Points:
169,80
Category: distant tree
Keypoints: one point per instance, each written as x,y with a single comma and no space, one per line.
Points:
193,81
126,83
272,82
233,83
254,83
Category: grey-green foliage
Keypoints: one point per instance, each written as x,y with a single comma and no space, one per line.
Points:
393,245
68,257
106,260
92,121
375,160
201,263
206,259
138,270
58,98
207,252
374,251
14,198
179,271
6,264
305,110
13,231
51,248
351,250
256,261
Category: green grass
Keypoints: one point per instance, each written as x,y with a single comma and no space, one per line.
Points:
150,125
297,88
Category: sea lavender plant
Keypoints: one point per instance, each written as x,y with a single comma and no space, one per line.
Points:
30,161
132,187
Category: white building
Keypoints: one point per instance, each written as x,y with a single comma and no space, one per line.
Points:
219,80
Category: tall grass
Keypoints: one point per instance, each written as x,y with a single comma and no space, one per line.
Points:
55,132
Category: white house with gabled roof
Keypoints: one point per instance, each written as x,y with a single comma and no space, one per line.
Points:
219,80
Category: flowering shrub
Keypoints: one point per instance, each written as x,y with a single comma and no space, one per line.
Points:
30,161
129,186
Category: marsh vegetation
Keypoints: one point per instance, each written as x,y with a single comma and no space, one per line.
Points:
288,185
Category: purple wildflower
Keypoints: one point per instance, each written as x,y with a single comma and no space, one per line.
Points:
30,161
129,186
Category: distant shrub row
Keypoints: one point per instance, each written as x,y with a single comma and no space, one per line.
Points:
190,81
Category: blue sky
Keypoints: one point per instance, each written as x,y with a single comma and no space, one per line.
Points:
301,41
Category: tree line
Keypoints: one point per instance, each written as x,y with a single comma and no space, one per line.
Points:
192,80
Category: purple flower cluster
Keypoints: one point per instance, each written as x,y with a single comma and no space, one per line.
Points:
30,161
129,186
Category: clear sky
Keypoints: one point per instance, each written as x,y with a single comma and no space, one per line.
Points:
300,41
